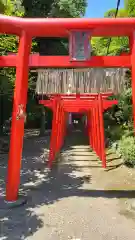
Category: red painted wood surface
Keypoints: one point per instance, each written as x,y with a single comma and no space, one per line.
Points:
93,105
26,29
17,127
64,61
61,27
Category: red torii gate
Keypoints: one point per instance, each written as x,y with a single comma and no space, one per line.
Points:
28,28
93,105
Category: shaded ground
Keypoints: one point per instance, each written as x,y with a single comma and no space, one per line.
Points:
77,199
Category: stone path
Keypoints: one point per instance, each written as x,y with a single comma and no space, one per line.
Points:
76,200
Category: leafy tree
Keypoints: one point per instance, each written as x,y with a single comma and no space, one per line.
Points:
11,7
117,45
2,6
120,117
130,7
53,8
8,43
121,13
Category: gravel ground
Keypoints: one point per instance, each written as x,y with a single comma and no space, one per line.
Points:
76,200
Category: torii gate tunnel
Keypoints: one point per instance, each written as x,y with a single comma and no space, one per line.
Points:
93,105
26,29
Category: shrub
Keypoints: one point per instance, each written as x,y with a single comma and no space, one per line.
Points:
126,147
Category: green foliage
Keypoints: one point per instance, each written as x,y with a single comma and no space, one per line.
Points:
6,86
127,150
68,8
54,8
37,8
118,120
130,7
11,7
113,133
124,113
2,6
117,45
112,12
8,43
52,46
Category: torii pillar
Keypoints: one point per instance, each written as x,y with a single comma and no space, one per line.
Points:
18,118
